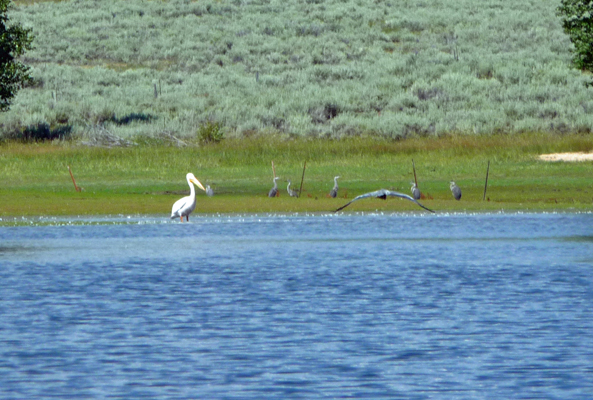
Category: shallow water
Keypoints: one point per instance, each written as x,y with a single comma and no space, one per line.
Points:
487,306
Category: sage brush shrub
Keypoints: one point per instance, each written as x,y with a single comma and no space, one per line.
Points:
327,68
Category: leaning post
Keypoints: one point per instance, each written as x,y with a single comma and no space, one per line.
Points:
302,178
486,184
76,187
414,168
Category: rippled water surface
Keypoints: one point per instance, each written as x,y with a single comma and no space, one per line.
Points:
256,307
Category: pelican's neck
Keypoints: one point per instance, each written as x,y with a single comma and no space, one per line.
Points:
192,190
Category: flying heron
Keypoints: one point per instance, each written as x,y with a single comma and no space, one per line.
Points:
274,191
292,193
382,194
415,191
209,191
455,190
184,206
334,192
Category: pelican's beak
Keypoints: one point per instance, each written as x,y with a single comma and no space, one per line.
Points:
197,183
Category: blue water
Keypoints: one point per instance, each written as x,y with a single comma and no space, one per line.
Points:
490,306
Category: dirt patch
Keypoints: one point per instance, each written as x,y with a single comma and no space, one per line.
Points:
567,157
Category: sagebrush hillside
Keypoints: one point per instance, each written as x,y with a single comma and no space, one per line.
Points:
315,68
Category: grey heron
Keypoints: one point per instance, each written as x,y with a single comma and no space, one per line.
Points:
383,194
186,205
415,192
274,191
334,192
292,193
455,190
209,191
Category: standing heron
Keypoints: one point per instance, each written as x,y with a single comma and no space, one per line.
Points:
186,205
292,193
382,194
455,190
209,191
334,192
415,191
274,191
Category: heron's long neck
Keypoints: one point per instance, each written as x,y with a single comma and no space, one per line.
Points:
275,184
336,183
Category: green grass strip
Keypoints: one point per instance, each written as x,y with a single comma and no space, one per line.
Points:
148,179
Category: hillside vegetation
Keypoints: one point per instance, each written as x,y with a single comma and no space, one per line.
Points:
331,68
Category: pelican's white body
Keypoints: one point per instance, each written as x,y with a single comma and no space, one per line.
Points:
186,205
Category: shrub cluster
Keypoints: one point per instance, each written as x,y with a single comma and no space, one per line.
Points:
210,132
39,132
332,68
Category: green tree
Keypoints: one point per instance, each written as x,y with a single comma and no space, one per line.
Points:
577,21
14,40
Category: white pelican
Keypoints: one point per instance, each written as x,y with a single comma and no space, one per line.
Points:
184,206
455,191
334,192
382,194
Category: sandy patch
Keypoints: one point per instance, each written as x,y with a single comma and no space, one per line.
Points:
567,157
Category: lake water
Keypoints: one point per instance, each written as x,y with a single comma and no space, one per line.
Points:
394,306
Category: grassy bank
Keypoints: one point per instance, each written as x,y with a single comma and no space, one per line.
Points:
147,179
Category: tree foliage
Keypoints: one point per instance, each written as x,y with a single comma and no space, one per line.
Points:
14,40
577,21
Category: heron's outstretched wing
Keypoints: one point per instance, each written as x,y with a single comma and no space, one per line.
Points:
377,193
405,196
382,194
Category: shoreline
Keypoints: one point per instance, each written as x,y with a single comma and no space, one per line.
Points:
201,218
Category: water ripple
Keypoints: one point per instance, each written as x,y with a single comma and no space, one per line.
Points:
253,307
